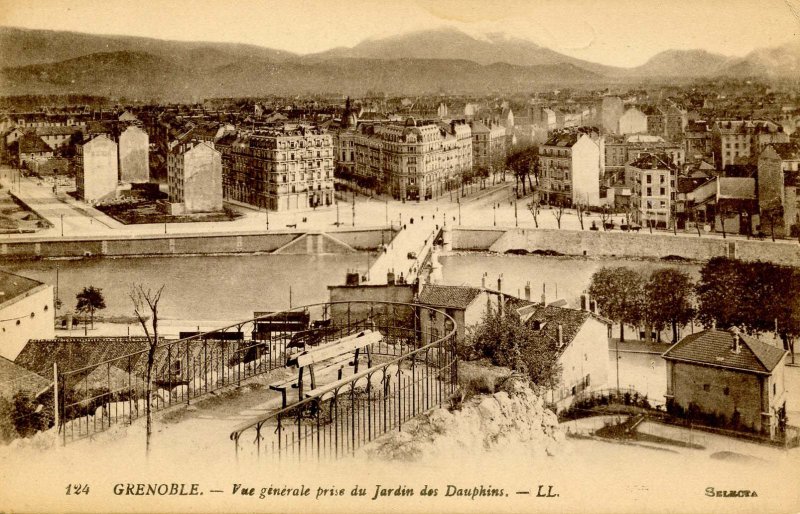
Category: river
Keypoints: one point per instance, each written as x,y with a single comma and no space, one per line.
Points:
200,288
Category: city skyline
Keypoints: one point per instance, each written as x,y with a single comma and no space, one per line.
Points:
620,33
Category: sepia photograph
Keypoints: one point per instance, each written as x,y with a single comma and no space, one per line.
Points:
400,256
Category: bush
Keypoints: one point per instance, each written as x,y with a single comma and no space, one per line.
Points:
27,415
7,429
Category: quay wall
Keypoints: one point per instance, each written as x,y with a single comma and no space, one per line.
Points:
624,244
193,244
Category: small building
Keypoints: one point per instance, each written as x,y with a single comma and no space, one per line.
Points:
737,379
32,149
466,305
195,178
582,339
26,312
97,170
134,155
778,180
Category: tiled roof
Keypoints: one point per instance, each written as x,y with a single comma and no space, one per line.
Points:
787,151
12,285
14,378
714,348
459,297
650,161
563,140
73,353
550,317
31,143
737,187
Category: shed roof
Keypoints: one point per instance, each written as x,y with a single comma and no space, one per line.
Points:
715,348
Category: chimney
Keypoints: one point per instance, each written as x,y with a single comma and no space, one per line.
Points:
736,340
390,277
528,291
560,332
593,306
584,302
544,294
483,281
500,283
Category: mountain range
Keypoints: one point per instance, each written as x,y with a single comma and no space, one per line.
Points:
433,61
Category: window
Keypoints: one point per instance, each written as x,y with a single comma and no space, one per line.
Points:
727,391
774,389
706,387
649,178
649,191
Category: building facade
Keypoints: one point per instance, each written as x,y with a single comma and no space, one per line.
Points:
281,169
134,155
732,140
736,378
194,173
26,312
653,178
97,170
569,169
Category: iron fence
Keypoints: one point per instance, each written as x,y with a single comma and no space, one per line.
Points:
94,398
339,418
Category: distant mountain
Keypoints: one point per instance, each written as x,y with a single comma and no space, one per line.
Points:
139,75
433,61
680,63
450,43
776,62
22,47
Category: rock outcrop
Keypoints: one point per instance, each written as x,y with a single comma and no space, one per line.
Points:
514,417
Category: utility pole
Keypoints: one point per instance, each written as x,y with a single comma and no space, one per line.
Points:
494,213
354,208
62,225
459,211
337,210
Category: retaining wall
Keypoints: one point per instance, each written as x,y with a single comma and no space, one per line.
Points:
625,244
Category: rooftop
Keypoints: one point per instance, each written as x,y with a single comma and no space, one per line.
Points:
12,285
15,378
458,297
715,348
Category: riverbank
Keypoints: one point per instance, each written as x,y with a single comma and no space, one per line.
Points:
622,244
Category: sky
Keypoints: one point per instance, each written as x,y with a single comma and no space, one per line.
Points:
615,32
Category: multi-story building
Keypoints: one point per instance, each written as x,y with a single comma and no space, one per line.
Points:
488,146
653,178
194,174
97,169
633,121
283,168
741,139
697,140
412,160
569,169
778,181
610,113
134,152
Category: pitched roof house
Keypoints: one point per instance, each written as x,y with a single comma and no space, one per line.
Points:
734,377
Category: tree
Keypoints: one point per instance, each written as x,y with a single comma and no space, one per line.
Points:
772,213
558,212
605,216
146,299
580,209
725,212
90,300
668,297
619,294
533,206
719,293
506,340
521,162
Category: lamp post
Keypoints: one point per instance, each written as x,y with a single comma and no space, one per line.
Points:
459,211
494,213
62,225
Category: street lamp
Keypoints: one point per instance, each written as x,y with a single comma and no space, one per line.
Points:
62,225
494,212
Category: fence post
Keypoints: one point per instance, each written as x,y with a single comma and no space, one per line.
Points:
188,377
56,397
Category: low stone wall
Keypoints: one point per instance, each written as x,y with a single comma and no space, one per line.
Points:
624,244
184,244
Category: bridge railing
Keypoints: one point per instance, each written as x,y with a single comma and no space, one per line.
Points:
337,419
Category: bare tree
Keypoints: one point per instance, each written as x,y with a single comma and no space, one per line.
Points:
605,216
533,206
147,299
696,219
580,209
725,212
558,211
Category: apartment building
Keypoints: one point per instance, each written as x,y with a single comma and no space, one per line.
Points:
194,174
97,169
653,178
733,140
569,168
281,168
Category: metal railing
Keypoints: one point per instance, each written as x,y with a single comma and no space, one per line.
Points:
337,419
94,398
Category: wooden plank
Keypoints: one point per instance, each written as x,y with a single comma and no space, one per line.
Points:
332,350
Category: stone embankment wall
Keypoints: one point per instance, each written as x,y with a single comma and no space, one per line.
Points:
194,244
625,244
514,417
